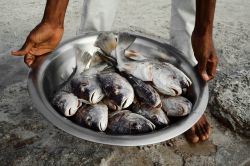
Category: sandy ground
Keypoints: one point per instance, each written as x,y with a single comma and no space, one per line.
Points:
26,138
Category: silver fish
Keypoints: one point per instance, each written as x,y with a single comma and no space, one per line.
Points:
125,122
169,80
92,116
176,106
106,41
145,93
87,88
155,115
66,103
117,89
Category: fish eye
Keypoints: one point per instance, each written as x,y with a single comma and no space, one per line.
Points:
139,127
134,124
154,117
82,88
88,118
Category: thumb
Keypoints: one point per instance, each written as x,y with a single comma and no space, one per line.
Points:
202,68
29,59
25,48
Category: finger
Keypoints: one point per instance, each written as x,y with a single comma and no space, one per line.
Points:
29,59
202,66
39,51
25,48
211,66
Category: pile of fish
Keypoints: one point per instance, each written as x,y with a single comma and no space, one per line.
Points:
122,90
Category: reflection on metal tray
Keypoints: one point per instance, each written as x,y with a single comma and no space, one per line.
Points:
48,72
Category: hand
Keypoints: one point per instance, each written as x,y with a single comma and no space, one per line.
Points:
42,39
205,55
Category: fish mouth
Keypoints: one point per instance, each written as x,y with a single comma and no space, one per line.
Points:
124,103
151,126
176,90
102,126
70,112
159,105
91,97
95,97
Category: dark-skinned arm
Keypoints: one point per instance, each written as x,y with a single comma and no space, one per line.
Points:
202,40
47,34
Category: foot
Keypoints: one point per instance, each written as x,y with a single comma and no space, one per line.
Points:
199,132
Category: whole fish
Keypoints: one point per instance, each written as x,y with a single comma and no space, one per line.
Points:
176,106
155,115
126,122
92,116
66,103
169,80
117,89
145,93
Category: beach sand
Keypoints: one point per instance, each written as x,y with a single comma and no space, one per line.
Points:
27,138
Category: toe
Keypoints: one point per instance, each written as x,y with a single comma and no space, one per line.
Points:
191,135
200,132
204,130
207,128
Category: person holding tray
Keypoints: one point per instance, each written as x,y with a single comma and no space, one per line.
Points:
191,29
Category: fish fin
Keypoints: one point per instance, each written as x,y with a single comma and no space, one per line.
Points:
64,86
125,40
83,59
133,55
109,59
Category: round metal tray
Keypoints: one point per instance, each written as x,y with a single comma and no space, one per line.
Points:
46,76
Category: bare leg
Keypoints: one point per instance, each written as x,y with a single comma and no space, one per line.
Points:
181,28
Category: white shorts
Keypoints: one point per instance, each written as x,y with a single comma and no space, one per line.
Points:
99,15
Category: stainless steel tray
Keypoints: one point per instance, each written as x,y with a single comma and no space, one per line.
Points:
46,76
